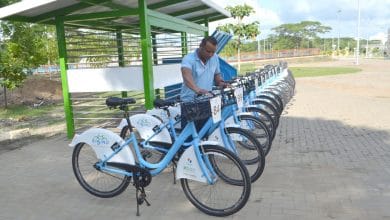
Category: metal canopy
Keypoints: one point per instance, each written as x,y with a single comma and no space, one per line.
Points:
110,14
119,16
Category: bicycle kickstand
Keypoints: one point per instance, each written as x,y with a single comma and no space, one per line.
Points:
174,165
140,198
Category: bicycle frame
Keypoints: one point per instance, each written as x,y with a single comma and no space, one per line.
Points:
208,128
205,173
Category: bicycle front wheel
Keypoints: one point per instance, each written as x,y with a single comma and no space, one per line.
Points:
98,183
222,198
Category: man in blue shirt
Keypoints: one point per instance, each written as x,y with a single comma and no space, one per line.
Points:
200,70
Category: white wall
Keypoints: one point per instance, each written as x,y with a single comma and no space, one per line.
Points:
121,78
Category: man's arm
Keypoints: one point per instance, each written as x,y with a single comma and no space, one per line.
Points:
189,81
219,81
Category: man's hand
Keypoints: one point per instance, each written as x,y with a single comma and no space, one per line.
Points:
224,84
201,91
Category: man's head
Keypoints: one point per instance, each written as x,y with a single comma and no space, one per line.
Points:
207,48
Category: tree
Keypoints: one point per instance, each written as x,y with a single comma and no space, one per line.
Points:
294,35
11,68
240,30
30,42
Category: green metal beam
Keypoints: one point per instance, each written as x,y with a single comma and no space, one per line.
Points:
119,45
17,18
146,42
201,18
67,10
184,45
101,15
95,2
121,58
154,46
93,25
59,12
116,6
63,67
190,10
164,4
77,25
206,23
165,21
211,19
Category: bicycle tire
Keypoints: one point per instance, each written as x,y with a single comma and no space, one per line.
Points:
258,129
233,196
98,183
249,151
265,118
269,108
272,101
275,96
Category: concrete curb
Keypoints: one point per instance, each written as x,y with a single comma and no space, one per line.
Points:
26,133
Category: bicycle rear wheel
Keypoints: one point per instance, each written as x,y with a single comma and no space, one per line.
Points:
221,198
98,183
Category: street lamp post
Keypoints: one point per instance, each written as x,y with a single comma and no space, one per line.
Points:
358,35
338,29
367,46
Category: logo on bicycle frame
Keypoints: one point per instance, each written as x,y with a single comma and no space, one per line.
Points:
100,139
188,167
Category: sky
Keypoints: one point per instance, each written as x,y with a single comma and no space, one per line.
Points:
340,15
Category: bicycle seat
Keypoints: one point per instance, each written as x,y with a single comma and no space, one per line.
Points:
161,103
113,102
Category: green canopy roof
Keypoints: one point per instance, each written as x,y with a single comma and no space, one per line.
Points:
110,14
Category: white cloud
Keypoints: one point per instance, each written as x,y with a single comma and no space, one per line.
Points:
375,15
267,17
379,36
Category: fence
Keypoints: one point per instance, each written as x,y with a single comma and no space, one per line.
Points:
274,54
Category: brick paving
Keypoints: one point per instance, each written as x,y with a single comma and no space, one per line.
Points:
329,160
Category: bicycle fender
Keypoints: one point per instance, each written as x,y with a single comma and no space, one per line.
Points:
188,165
103,141
145,125
250,106
244,113
229,122
175,112
216,136
160,113
122,124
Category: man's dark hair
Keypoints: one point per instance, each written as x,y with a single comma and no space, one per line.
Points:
209,39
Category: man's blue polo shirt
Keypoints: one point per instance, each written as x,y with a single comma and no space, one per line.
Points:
203,74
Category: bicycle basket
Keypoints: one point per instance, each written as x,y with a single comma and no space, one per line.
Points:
196,110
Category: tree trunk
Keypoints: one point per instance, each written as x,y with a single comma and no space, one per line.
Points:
238,60
5,97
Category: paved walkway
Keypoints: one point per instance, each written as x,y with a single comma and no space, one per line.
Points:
330,160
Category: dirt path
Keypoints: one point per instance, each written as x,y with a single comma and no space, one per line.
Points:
362,98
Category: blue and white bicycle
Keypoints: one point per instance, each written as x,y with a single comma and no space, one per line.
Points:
213,178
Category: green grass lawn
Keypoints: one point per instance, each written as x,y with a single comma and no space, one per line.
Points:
247,67
321,71
18,111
